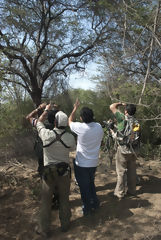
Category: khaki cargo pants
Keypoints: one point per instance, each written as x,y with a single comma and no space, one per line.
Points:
126,174
51,180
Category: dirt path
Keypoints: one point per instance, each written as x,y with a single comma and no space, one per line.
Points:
136,218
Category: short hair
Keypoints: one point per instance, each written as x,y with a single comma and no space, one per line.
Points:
86,114
51,116
131,109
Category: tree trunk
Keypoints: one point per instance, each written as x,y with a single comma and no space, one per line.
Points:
36,96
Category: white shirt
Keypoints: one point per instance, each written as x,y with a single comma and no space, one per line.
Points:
56,152
88,143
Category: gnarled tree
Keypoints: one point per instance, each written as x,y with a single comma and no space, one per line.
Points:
42,40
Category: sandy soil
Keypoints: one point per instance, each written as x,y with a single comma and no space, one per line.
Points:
137,218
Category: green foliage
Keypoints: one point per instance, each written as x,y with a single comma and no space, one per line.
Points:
98,102
12,117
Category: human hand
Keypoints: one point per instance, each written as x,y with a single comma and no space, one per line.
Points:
76,104
48,107
123,104
42,106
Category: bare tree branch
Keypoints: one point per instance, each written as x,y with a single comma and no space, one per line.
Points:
150,54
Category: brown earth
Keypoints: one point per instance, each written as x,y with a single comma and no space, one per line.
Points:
137,218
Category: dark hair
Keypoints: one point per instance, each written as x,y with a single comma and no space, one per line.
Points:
86,114
51,116
131,109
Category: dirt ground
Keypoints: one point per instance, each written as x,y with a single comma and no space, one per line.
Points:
137,218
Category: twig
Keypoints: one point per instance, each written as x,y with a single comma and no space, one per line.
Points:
150,54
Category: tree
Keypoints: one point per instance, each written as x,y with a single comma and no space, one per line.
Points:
42,41
129,65
135,54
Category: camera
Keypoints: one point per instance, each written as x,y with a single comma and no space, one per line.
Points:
109,124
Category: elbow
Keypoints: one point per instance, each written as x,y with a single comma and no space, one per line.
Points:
111,107
27,118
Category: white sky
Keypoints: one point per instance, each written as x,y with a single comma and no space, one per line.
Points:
82,78
79,81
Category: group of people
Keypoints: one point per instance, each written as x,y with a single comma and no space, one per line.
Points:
87,138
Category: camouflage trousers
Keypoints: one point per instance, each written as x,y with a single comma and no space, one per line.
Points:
50,181
126,174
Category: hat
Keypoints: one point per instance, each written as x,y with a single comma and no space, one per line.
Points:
61,119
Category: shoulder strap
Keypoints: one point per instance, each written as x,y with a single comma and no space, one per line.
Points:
58,138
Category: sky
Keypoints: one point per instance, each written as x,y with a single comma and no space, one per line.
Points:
82,78
79,81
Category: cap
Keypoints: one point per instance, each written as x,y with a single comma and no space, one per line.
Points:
62,119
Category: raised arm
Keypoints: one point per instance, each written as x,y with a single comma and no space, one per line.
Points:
44,114
72,115
114,107
34,114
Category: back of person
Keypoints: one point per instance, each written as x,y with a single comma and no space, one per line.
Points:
89,135
125,157
56,152
88,145
128,134
56,172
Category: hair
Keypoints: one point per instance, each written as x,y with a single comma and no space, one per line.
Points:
87,115
51,116
131,109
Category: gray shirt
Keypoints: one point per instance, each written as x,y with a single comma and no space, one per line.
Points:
56,152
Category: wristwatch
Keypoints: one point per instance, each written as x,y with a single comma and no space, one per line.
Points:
46,110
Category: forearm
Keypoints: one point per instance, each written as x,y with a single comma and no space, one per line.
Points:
72,116
45,112
32,115
114,107
43,116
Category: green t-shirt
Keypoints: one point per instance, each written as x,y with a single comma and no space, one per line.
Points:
120,117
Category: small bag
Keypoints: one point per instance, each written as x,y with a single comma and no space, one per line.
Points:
63,168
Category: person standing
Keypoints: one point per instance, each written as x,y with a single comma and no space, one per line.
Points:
125,155
89,137
56,174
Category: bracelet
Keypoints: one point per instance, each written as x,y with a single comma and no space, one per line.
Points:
46,110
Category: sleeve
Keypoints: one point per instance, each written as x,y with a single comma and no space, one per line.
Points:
75,127
73,143
45,134
34,121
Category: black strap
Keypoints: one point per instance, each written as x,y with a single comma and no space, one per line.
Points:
58,138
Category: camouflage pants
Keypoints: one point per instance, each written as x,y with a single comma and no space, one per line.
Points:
50,181
126,174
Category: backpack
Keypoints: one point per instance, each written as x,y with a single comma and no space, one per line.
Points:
130,135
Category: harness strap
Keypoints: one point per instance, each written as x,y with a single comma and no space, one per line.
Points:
58,138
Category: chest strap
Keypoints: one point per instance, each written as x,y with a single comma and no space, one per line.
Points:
57,139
